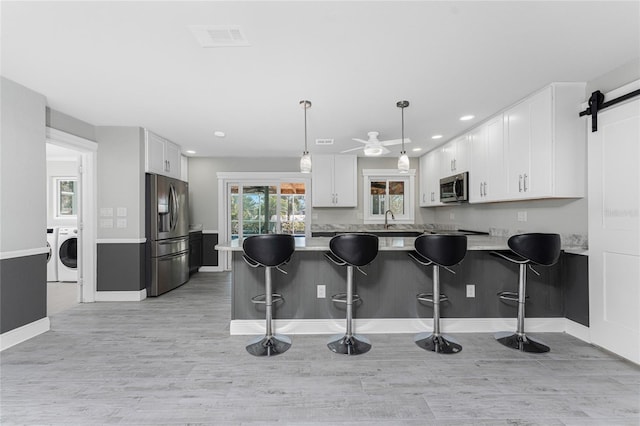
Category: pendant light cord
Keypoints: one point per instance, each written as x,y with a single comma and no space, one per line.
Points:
305,127
403,151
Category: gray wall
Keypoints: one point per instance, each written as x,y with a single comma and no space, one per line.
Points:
615,78
121,179
23,166
66,123
562,216
23,215
203,187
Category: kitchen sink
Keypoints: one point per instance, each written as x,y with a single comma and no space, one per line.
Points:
395,233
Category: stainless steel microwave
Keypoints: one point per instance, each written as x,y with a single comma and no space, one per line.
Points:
455,188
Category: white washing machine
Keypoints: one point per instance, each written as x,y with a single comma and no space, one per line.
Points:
67,254
52,254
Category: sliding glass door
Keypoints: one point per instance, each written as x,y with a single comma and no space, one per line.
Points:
267,208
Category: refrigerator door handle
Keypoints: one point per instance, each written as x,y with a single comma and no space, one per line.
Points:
173,208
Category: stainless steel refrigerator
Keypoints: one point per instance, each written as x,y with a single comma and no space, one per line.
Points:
167,232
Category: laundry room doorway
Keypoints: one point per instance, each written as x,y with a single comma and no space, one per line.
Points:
71,218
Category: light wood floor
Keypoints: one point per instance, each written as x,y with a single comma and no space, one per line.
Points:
171,360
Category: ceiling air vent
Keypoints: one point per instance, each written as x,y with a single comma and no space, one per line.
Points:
324,141
219,35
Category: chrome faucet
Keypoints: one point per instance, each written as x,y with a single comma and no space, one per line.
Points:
386,220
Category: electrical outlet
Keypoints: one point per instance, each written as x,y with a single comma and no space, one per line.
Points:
522,216
321,291
471,290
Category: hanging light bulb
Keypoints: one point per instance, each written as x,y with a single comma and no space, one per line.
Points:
305,160
403,160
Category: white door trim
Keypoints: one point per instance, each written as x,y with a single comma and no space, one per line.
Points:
87,221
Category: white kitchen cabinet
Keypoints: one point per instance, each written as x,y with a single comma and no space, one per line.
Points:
162,156
545,144
430,173
487,177
455,156
334,181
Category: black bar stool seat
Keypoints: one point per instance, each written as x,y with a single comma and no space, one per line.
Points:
353,251
268,251
526,250
438,251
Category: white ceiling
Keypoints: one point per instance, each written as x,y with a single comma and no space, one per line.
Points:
137,64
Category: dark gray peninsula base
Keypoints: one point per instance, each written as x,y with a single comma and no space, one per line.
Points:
388,292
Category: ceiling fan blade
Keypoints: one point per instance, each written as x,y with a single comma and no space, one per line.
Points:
385,150
395,142
360,140
351,149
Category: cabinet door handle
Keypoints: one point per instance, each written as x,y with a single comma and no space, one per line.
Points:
455,164
525,182
519,183
485,189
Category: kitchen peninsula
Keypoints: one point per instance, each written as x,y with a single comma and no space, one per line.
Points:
388,291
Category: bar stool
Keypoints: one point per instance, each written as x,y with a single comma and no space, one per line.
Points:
439,251
269,251
526,250
353,250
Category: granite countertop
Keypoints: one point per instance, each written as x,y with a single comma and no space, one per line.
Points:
474,242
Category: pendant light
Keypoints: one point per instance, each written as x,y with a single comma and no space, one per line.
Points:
305,160
403,160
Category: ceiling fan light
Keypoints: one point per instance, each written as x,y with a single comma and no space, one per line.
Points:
305,163
403,163
372,151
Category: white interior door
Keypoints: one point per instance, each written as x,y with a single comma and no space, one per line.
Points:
614,229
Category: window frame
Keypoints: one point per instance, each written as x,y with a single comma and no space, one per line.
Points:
371,175
57,180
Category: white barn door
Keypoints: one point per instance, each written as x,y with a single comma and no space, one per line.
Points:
614,228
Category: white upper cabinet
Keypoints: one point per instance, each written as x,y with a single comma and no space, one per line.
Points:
487,178
546,144
430,170
334,181
162,157
534,149
454,156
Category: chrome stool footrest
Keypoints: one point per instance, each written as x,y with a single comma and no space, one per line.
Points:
510,295
342,298
428,297
262,298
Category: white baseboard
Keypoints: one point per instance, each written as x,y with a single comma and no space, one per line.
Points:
397,325
26,332
210,269
121,296
576,330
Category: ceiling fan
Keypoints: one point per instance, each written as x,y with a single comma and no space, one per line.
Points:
374,147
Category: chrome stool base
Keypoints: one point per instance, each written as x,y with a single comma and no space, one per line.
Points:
441,344
349,345
521,342
268,346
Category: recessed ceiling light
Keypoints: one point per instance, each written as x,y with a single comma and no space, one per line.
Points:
467,117
436,137
219,134
416,149
190,151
